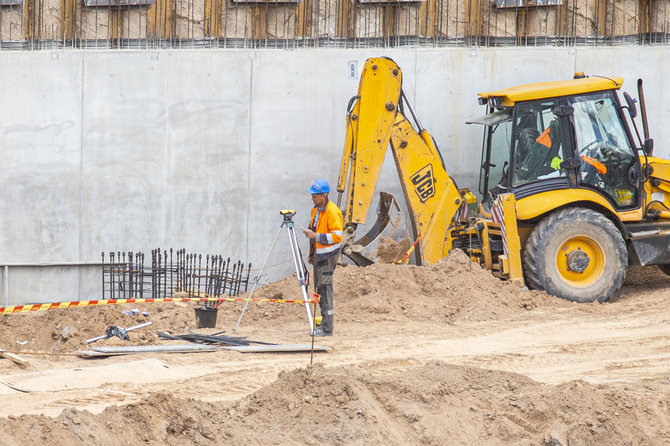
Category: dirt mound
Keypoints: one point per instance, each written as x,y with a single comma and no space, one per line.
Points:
453,289
373,403
66,330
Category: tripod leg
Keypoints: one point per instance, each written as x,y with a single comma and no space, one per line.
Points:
302,281
258,278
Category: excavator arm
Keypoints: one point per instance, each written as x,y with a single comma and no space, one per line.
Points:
375,120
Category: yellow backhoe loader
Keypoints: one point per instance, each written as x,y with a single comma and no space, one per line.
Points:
571,194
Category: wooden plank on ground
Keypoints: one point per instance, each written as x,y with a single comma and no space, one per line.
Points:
277,348
16,358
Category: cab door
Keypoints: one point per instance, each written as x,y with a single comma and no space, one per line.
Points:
608,162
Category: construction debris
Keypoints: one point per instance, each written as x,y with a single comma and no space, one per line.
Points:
13,357
216,338
121,333
277,348
98,352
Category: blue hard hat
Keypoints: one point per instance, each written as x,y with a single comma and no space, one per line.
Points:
319,186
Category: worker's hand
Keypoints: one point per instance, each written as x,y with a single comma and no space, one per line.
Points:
556,163
309,233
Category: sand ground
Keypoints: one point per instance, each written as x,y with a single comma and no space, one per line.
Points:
435,355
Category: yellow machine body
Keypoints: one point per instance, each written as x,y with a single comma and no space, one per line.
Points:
585,224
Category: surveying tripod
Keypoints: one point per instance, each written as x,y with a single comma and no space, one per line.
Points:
297,262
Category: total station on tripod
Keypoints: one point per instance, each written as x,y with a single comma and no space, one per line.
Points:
287,214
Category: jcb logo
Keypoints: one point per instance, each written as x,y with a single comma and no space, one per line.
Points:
424,182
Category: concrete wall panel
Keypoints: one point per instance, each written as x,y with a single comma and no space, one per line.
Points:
133,150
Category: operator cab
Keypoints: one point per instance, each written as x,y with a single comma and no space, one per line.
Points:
559,135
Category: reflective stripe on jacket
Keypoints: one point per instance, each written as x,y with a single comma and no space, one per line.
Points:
328,228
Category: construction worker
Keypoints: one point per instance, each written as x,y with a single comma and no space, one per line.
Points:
538,154
325,237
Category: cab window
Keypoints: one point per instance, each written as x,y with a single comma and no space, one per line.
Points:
495,156
538,148
603,147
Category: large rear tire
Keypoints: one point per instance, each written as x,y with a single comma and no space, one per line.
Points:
576,254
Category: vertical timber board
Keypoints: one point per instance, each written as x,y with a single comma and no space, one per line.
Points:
28,18
67,19
601,17
475,18
561,18
259,21
212,18
304,25
160,17
643,17
427,18
388,23
115,24
208,18
345,18
521,25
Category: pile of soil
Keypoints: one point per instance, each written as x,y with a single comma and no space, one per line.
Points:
434,404
370,400
453,289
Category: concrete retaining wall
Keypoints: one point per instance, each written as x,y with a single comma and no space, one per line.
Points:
116,150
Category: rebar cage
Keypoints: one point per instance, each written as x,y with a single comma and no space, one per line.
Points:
126,275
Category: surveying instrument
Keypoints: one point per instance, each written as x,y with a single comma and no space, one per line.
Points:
300,267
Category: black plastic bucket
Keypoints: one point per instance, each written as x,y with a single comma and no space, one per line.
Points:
205,317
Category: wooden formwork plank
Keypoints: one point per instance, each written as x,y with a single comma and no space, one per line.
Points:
346,10
427,18
388,22
304,20
561,19
115,24
643,17
160,19
28,18
600,11
521,22
475,13
68,8
259,21
212,18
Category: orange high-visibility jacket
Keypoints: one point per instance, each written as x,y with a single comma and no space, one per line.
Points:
327,224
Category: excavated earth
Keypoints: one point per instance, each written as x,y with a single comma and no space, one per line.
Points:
437,355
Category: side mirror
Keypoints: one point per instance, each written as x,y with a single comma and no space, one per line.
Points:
632,109
648,146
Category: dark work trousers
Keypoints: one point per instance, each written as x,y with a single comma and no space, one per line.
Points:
323,283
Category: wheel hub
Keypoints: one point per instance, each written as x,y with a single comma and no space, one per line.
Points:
577,260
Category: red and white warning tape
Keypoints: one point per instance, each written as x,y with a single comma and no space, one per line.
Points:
88,303
498,216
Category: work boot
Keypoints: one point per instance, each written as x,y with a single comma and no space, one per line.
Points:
320,333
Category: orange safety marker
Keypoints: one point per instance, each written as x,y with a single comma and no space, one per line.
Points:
88,303
405,258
